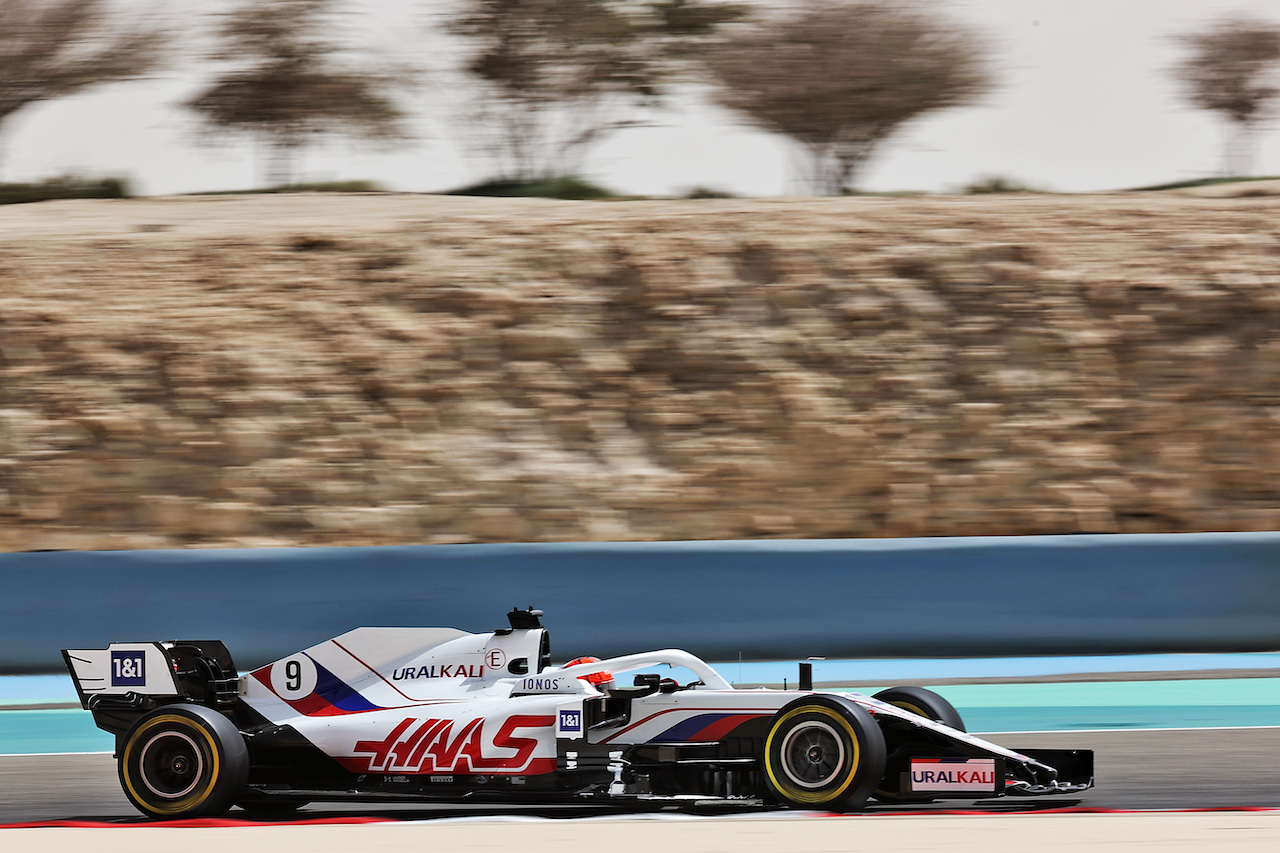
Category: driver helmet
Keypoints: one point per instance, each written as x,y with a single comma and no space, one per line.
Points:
601,679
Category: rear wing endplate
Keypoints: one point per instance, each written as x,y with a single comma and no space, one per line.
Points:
143,669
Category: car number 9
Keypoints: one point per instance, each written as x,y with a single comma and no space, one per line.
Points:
294,677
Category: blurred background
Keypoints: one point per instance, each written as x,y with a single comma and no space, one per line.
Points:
293,273
329,368
1077,96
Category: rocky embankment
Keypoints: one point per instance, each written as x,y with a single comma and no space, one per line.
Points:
248,371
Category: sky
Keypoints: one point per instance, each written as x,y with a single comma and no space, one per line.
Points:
1084,103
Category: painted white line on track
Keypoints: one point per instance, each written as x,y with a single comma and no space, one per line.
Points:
4,755
1239,832
775,814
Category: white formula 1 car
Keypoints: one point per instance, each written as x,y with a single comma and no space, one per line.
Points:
437,714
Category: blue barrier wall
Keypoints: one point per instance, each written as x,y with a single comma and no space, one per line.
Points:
766,599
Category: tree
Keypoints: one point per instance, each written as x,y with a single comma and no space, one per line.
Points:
54,48
1231,68
840,78
287,86
557,76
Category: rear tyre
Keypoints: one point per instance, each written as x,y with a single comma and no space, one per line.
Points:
823,752
182,761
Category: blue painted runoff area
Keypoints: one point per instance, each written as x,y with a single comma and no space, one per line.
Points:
1191,703
892,671
1080,706
63,730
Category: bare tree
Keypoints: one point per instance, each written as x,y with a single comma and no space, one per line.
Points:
288,86
53,48
557,76
839,78
1232,68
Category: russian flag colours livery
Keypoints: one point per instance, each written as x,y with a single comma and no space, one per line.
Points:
332,696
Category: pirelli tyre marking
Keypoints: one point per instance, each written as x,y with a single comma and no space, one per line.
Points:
183,762
823,752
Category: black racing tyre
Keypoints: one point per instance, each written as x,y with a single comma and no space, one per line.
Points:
898,735
823,752
182,761
926,703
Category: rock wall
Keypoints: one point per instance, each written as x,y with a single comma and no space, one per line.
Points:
363,370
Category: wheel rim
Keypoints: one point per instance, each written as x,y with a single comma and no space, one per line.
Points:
171,765
813,754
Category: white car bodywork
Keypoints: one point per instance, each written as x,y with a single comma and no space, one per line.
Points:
439,713
447,709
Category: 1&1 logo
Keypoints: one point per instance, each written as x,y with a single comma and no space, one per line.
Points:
570,721
129,669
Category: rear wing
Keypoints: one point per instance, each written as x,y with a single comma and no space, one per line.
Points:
145,674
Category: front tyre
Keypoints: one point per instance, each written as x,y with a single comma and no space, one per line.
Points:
182,761
903,740
923,702
823,752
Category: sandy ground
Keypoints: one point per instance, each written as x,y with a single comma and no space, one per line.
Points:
374,369
1170,833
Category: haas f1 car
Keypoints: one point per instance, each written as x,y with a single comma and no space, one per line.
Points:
438,714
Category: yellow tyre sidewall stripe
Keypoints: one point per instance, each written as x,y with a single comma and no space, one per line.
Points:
799,794
196,798
915,709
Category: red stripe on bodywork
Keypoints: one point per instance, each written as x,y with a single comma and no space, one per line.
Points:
717,730
371,669
314,705
763,712
311,705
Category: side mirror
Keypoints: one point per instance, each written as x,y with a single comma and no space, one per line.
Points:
647,679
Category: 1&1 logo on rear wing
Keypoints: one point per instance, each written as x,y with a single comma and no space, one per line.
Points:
128,668
122,668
